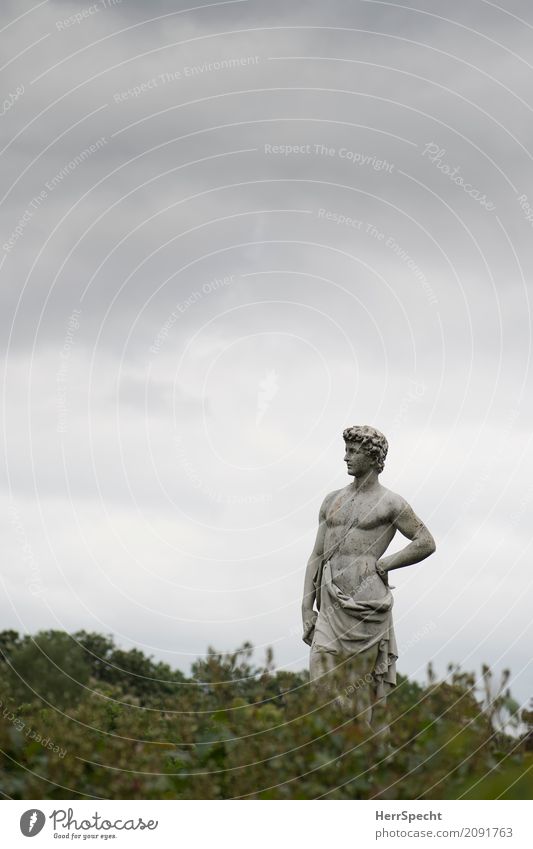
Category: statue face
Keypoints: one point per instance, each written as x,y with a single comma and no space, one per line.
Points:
358,462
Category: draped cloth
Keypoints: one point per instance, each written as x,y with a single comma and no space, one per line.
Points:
355,616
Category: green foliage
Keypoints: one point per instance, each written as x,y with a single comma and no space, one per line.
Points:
49,667
8,641
234,729
130,670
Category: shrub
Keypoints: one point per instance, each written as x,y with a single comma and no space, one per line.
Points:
237,730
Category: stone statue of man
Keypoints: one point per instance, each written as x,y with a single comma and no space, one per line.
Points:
353,647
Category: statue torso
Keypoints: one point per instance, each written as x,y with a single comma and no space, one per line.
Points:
353,564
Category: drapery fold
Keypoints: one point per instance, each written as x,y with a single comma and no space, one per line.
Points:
351,622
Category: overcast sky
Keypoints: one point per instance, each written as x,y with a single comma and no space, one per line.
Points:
228,231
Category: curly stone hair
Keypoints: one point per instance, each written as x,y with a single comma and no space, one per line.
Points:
372,441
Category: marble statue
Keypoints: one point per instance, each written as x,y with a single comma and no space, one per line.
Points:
351,634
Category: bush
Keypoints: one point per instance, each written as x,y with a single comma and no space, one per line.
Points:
237,730
49,667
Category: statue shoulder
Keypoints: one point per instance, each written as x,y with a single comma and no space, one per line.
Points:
394,502
328,500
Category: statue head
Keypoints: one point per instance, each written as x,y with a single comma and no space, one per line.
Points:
370,442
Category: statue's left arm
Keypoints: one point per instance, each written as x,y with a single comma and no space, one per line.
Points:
422,543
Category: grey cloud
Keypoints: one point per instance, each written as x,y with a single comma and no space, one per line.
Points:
429,289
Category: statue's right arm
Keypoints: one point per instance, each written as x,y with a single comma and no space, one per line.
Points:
315,560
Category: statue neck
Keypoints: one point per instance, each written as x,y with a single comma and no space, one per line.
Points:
368,481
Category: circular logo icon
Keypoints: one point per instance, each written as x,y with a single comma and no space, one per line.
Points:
32,822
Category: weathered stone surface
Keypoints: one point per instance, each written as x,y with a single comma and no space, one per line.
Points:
351,634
